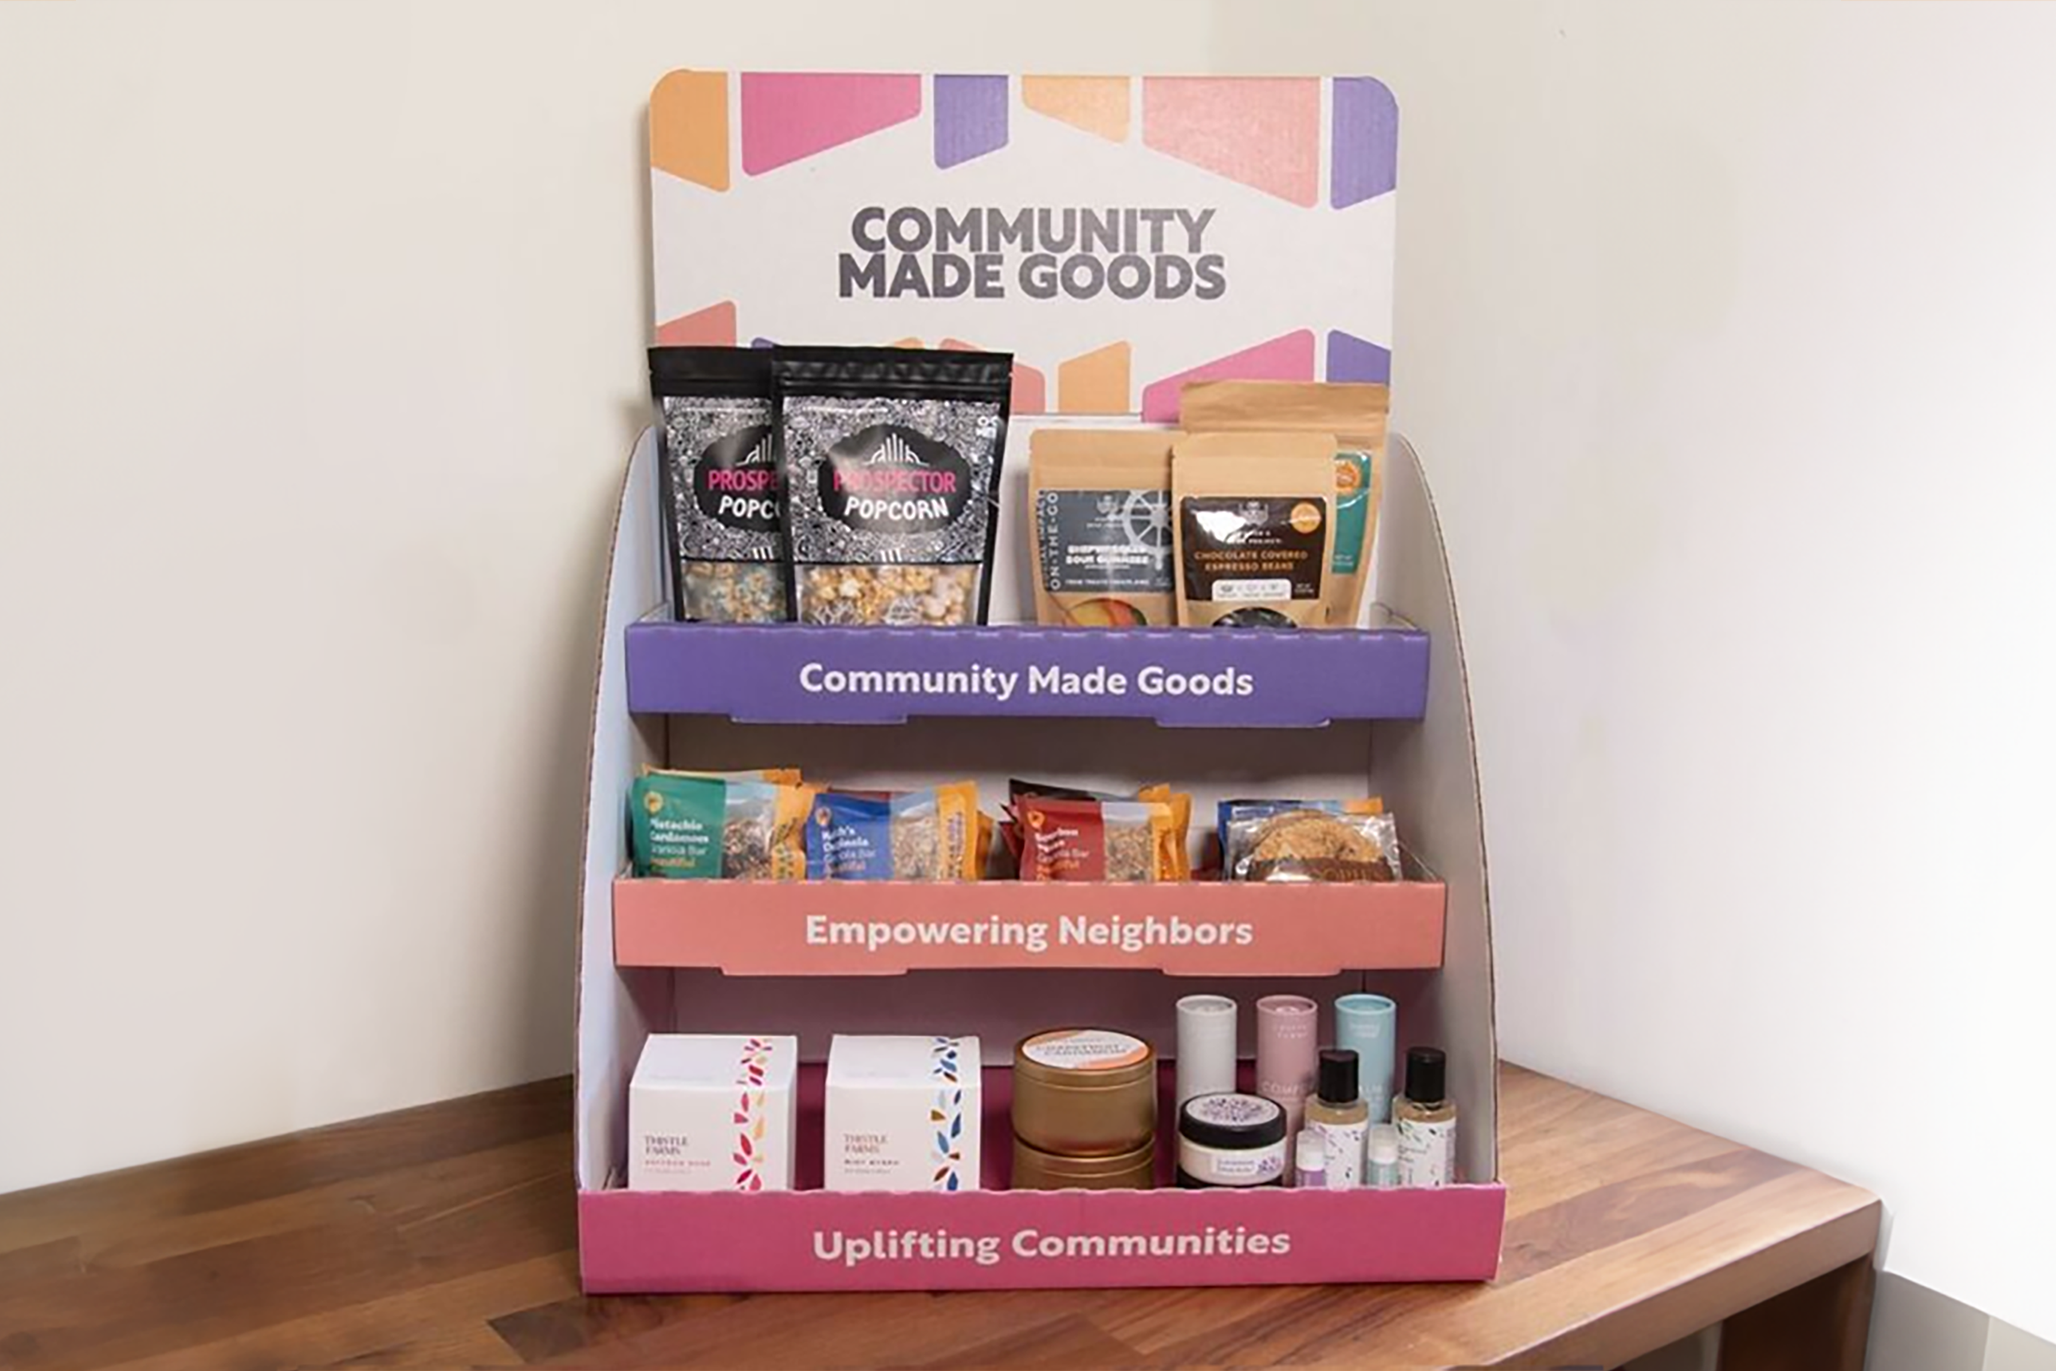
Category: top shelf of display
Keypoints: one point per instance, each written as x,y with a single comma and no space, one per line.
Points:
1205,678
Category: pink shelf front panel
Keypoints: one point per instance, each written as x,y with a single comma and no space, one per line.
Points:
824,928
1022,1239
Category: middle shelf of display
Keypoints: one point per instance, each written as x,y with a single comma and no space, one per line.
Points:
1208,678
882,928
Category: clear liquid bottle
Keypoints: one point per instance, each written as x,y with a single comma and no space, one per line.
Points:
1426,1118
1341,1118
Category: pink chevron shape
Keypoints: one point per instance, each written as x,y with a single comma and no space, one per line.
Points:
710,327
1263,131
713,326
1289,357
789,116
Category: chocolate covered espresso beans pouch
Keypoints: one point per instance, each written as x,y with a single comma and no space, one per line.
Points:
891,458
1253,524
721,490
1356,414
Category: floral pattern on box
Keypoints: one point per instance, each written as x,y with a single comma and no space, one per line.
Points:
947,1113
749,1114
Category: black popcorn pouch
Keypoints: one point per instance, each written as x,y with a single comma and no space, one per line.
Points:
891,458
722,494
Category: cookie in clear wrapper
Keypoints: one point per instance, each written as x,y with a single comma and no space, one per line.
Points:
1311,845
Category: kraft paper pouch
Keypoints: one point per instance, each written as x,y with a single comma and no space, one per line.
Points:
1099,504
1357,415
1253,528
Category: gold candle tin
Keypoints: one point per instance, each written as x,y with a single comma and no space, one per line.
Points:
1038,1170
1085,1092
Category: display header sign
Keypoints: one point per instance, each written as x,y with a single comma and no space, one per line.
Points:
1120,235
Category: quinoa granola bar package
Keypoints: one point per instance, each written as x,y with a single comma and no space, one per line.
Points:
915,835
891,460
721,488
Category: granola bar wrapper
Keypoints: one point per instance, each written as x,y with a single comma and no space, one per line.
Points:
722,492
675,826
916,835
1095,840
891,460
1312,845
706,827
1177,852
763,836
778,775
1175,858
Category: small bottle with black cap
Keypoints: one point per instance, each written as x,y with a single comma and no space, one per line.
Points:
1426,1118
1340,1118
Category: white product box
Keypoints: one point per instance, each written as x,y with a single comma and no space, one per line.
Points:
713,1112
903,1113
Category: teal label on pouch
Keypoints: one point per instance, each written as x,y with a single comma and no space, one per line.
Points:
1352,508
675,825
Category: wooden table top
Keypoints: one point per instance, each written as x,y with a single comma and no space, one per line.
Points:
444,1236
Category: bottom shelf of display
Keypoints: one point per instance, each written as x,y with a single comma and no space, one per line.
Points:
634,1241
650,1242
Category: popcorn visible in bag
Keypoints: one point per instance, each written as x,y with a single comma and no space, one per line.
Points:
1357,415
891,459
1100,537
1253,528
723,498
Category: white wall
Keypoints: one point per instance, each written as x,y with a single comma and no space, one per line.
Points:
1725,330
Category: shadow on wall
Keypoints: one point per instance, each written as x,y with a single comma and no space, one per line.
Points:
541,1028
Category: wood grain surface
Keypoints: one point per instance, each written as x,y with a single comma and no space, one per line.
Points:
444,1236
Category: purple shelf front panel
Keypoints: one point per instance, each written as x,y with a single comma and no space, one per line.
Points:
783,673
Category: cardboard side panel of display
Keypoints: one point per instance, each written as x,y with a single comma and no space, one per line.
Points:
615,1008
1428,771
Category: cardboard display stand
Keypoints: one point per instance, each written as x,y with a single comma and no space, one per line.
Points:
1379,711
